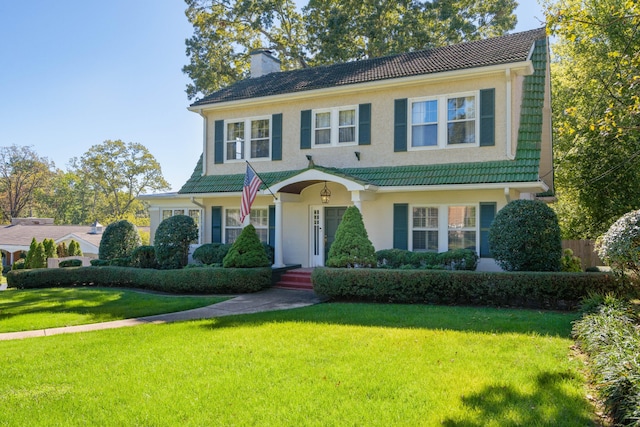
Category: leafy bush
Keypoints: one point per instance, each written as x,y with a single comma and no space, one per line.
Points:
70,263
99,262
192,280
19,264
619,247
62,250
458,259
352,247
119,240
247,251
38,259
211,253
121,262
173,238
144,257
74,249
611,338
49,248
30,253
549,290
570,263
525,236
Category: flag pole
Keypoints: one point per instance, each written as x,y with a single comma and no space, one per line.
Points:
262,180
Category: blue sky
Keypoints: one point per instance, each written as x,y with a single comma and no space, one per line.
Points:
74,73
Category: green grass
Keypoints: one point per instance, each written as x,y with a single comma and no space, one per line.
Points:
325,365
22,310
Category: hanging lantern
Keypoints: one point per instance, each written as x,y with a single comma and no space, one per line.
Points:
325,194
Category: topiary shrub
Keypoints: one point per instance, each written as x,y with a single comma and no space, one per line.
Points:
70,263
62,250
211,253
173,237
144,257
30,253
525,236
570,263
49,248
119,240
74,249
619,247
352,247
247,251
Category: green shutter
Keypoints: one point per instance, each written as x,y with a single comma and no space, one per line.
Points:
216,224
487,117
276,137
487,214
400,125
305,129
400,226
218,140
364,124
272,225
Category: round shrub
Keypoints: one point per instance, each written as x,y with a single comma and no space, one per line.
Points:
211,253
119,240
352,247
173,237
70,263
619,247
144,257
247,251
525,236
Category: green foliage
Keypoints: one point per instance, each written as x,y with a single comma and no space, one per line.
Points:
173,238
611,338
30,253
49,248
570,263
548,290
211,253
619,247
144,257
351,247
247,251
39,257
62,250
70,263
74,249
19,264
458,259
525,236
119,240
188,281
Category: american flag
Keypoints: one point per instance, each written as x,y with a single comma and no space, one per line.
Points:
249,190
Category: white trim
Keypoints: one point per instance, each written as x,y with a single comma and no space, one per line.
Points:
334,126
317,175
246,141
443,223
532,187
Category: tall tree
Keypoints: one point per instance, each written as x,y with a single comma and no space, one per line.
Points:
120,172
226,31
23,173
595,77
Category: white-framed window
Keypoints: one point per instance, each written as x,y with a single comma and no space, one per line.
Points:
462,227
259,218
335,126
444,121
196,214
424,228
248,139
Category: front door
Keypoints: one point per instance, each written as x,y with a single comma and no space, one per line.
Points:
332,218
324,223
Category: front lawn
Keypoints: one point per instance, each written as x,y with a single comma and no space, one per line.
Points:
325,365
22,310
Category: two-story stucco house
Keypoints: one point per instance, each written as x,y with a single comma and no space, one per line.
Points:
429,145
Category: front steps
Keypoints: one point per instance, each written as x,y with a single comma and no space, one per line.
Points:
298,279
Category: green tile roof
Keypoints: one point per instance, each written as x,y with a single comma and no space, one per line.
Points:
524,168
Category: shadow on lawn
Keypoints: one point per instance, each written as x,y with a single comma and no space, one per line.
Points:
504,406
473,319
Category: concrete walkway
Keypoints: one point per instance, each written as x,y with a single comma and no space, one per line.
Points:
267,300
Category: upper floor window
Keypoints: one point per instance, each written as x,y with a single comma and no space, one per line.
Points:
248,139
336,126
444,121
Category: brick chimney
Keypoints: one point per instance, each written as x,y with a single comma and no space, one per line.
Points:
262,63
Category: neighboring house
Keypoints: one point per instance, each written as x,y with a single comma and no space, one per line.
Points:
429,145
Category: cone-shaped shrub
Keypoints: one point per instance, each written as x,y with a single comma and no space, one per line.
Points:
74,249
49,248
247,251
525,236
119,240
352,247
39,257
173,238
32,250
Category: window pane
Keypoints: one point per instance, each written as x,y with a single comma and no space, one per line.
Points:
347,118
425,240
419,217
259,129
263,234
432,218
166,213
233,218
323,136
235,149
195,214
424,112
347,134
461,132
323,120
231,234
424,136
461,108
235,130
459,239
259,148
259,217
432,240
462,216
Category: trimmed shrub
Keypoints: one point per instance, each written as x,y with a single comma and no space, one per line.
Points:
37,257
458,259
70,263
525,236
19,264
211,253
247,251
611,338
30,253
619,247
183,281
570,263
49,248
62,250
548,290
99,262
352,247
144,257
119,240
74,249
173,238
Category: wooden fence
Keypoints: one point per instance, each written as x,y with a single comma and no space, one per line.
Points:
585,250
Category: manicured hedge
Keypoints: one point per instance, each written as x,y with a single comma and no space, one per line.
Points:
559,291
192,280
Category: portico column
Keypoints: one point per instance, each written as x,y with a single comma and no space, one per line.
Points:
357,200
278,257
